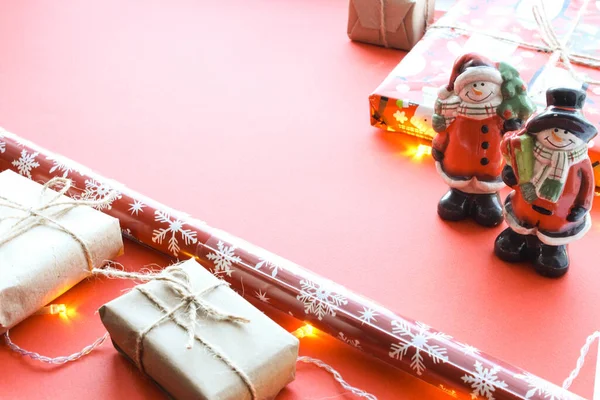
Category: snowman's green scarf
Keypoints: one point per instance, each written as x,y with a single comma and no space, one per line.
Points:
550,172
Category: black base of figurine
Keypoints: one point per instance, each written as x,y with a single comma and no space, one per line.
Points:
548,261
485,209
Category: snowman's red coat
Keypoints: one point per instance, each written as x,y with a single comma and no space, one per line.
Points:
471,149
552,229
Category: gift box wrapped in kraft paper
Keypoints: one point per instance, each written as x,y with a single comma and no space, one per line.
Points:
503,30
48,243
198,339
391,23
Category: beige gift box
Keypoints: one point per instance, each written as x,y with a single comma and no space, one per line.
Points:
260,348
44,262
400,25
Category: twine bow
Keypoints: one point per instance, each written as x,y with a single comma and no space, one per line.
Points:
552,43
558,47
50,208
191,302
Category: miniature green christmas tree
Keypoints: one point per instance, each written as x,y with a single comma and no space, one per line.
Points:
515,102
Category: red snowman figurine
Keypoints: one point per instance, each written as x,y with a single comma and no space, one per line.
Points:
551,174
482,101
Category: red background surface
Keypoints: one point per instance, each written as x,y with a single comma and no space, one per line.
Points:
253,116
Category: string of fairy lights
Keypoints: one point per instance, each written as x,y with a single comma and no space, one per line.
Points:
62,310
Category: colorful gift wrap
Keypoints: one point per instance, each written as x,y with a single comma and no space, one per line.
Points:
404,100
454,367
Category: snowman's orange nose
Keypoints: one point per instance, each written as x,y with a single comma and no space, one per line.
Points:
477,92
556,137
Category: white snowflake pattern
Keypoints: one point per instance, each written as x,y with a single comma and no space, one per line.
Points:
96,191
262,296
400,116
2,142
468,350
544,388
59,165
224,258
136,207
175,227
347,340
21,142
484,381
26,163
419,340
268,264
319,300
367,315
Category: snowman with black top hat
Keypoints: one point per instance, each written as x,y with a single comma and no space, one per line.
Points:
551,174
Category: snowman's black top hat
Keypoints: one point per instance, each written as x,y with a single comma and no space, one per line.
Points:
563,112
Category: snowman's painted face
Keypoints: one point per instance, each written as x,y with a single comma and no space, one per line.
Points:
479,92
559,139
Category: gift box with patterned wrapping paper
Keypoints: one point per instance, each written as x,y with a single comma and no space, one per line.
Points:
404,100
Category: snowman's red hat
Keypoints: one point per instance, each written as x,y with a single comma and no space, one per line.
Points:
469,68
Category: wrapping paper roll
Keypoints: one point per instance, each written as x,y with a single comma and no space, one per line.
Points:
460,370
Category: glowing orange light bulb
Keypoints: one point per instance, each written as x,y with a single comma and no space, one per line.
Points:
53,309
417,152
303,331
423,150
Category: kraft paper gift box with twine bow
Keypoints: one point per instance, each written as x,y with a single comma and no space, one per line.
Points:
198,339
398,24
48,244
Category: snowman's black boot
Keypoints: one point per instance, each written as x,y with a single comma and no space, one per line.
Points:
511,247
551,261
487,209
454,206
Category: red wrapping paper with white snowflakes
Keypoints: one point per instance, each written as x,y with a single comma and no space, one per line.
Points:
404,101
458,369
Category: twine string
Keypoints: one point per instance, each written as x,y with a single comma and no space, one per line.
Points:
47,212
552,43
337,376
582,353
55,360
382,25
